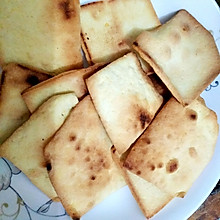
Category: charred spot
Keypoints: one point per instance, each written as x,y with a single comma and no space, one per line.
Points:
172,166
185,27
127,165
87,38
144,151
135,43
93,177
32,80
151,167
87,159
192,152
144,119
49,167
193,116
138,172
160,165
114,150
87,149
146,140
121,43
42,139
77,148
65,7
72,138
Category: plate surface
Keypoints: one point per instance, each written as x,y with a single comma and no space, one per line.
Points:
19,199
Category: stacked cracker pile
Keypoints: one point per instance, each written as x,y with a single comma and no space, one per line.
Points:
134,116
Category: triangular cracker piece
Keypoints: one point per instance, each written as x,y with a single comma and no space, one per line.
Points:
149,197
183,54
42,35
117,23
71,81
125,100
176,147
24,148
79,155
13,110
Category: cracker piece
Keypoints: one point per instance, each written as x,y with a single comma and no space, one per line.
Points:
149,197
176,147
79,155
125,100
43,35
13,110
24,148
109,27
71,81
183,54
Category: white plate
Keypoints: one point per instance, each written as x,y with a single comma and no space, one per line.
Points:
19,199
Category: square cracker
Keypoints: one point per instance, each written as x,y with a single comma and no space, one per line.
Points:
70,81
42,35
24,148
183,54
125,100
82,170
13,110
109,27
176,147
150,198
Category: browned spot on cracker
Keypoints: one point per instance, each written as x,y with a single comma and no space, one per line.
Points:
151,167
175,38
144,119
66,9
127,165
172,166
121,43
144,151
192,152
87,159
185,28
146,140
138,172
93,177
72,138
192,114
160,165
87,149
77,148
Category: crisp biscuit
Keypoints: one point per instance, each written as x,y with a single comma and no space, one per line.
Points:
81,167
125,100
43,35
176,147
24,148
13,110
183,54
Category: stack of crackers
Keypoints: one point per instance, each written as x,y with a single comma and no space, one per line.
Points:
133,117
